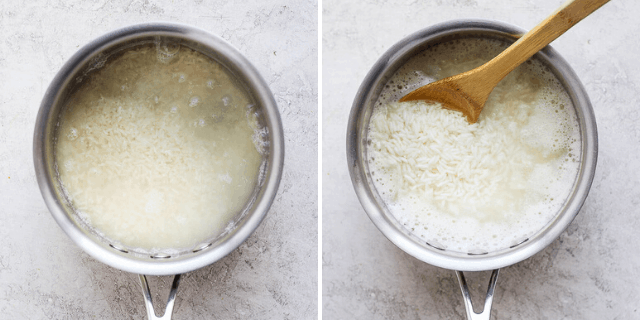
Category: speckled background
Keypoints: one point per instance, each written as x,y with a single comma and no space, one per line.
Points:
592,271
44,275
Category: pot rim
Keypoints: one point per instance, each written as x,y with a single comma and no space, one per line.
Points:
356,141
232,60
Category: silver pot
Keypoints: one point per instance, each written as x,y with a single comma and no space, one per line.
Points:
93,56
375,207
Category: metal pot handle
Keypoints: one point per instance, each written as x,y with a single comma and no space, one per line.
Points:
486,311
168,311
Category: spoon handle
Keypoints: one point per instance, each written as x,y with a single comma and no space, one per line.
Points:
537,38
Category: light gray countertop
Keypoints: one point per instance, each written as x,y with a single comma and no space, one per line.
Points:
590,272
44,275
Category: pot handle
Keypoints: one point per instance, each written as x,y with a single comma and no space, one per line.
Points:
486,311
168,311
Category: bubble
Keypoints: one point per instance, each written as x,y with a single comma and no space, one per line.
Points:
182,78
156,99
73,134
225,177
167,51
226,100
201,122
174,109
194,101
211,83
69,165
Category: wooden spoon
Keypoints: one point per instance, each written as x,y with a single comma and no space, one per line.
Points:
467,92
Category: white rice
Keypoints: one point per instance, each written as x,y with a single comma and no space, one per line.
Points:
474,187
152,156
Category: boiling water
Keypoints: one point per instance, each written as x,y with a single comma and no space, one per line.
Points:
159,148
482,187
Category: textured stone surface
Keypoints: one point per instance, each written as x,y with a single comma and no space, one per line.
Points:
591,271
273,275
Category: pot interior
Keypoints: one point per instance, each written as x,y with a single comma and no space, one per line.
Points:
374,203
91,59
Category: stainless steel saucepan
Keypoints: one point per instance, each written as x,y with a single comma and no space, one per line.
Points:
377,210
93,56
